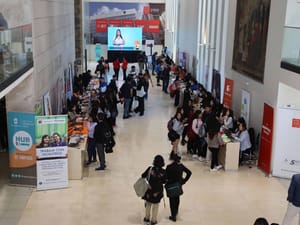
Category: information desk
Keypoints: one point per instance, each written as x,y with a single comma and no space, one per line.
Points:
76,160
229,155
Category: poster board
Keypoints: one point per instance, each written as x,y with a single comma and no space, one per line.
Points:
51,152
21,139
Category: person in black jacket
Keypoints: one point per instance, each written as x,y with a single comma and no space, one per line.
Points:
99,136
293,198
155,193
175,174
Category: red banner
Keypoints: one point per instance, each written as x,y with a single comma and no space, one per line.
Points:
153,26
141,23
114,23
127,23
296,123
101,25
146,10
228,91
266,140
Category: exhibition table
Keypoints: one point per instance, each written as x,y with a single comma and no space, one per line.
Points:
229,155
76,160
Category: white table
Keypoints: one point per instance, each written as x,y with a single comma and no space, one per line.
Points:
229,155
76,160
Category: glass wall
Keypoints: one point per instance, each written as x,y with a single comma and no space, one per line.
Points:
291,49
15,53
290,57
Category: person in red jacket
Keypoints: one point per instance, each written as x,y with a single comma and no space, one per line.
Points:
124,67
116,66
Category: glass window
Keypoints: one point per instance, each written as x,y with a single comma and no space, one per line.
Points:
15,53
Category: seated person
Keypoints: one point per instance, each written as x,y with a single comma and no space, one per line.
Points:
244,138
73,116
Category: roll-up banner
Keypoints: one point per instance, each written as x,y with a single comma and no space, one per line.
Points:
21,138
52,152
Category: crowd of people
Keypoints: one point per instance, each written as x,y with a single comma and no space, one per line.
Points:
200,119
197,123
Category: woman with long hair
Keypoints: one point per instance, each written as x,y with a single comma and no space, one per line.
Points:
214,141
155,193
118,40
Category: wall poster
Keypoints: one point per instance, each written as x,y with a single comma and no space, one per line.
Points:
228,92
250,39
245,106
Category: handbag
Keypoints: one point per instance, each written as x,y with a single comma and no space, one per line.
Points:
142,185
174,190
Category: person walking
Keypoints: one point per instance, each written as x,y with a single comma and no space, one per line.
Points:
155,193
174,173
293,198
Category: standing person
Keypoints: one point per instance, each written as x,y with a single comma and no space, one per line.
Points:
174,173
116,66
126,92
99,136
153,58
154,194
293,198
158,71
141,61
165,78
214,141
92,122
106,70
124,67
148,80
178,127
140,93
100,68
198,141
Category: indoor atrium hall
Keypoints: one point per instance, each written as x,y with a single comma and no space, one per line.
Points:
97,94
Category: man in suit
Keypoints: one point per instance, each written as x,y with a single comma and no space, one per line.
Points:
294,201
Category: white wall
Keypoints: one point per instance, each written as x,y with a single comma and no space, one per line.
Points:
53,48
187,29
53,42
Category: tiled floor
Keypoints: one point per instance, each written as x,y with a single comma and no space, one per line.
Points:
108,198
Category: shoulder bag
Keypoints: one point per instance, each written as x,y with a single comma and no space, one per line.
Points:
142,185
174,190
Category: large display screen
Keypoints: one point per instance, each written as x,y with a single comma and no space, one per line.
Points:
124,38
